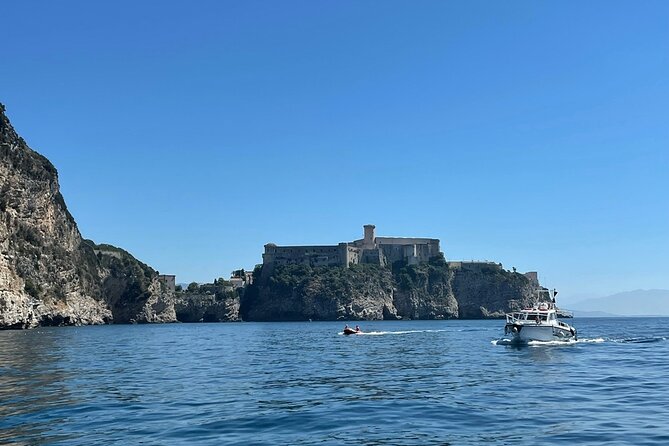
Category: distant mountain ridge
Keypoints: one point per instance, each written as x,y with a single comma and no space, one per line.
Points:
629,303
581,313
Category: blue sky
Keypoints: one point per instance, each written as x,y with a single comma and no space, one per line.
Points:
530,133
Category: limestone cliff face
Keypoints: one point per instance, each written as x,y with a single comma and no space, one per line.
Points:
131,289
491,292
194,307
425,292
365,292
48,274
299,292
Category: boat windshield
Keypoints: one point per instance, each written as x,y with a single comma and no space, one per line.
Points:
533,316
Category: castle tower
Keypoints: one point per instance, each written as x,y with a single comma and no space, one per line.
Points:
369,241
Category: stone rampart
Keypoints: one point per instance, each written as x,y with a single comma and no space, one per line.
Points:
370,249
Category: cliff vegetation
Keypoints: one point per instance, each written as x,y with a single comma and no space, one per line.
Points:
431,290
209,302
301,292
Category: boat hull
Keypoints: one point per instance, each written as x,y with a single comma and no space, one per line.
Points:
542,333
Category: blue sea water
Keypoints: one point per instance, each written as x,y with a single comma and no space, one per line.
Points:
404,383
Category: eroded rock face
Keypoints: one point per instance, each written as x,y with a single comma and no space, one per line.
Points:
491,292
131,288
366,292
48,274
425,291
206,308
298,293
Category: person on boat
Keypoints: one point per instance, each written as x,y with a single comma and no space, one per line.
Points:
346,327
538,319
357,328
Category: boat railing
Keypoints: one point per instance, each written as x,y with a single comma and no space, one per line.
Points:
513,317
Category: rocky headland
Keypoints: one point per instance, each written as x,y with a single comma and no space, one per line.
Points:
50,275
432,290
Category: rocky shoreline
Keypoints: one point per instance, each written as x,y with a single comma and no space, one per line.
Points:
433,290
51,276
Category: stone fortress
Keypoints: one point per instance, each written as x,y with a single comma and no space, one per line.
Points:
370,249
373,250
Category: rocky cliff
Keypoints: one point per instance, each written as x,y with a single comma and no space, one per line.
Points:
491,291
193,307
425,291
299,292
48,274
363,292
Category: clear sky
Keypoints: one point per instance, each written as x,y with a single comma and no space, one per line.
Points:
191,133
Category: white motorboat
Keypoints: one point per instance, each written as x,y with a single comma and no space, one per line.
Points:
540,323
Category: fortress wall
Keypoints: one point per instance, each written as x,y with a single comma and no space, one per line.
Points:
349,254
393,253
426,252
371,249
357,243
406,241
473,265
477,266
372,256
405,249
318,255
299,250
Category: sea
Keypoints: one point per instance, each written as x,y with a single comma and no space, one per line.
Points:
450,382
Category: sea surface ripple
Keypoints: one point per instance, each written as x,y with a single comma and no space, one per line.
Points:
402,383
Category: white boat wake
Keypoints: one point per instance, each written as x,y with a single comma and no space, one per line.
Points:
506,341
641,340
383,333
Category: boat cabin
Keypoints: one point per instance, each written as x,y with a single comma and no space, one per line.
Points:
532,315
545,316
